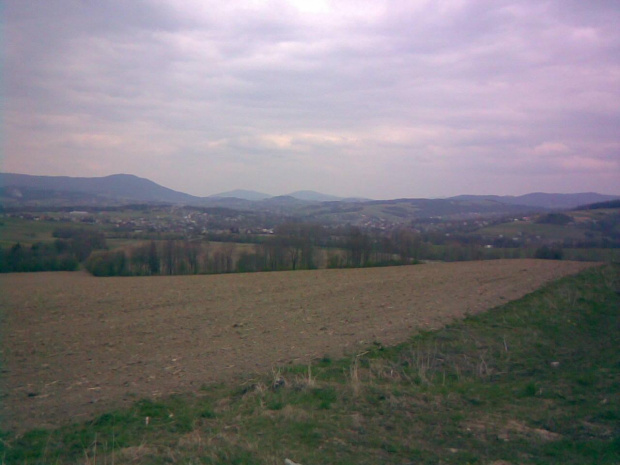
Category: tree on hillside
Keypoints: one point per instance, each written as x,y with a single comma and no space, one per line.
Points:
139,260
222,261
358,247
153,259
555,218
300,241
274,254
191,254
407,244
169,257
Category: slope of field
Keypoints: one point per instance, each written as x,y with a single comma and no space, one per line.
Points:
74,345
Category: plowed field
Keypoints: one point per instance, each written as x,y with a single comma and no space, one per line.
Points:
74,345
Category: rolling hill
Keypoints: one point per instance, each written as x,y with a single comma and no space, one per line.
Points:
242,194
117,188
543,200
25,191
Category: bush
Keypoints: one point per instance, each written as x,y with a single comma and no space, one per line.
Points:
107,264
549,253
37,257
555,218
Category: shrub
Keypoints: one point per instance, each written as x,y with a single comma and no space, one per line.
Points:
549,253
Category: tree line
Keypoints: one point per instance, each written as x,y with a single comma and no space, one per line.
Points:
293,246
170,257
71,247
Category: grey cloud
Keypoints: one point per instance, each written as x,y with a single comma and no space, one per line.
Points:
238,93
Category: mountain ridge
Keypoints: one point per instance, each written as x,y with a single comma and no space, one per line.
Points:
116,186
543,199
16,189
314,196
243,194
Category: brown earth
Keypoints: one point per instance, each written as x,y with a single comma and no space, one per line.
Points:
74,345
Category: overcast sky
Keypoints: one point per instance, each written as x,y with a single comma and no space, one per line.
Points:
381,99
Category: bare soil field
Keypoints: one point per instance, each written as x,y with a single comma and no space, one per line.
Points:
74,345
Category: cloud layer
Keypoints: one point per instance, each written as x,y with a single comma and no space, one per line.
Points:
377,99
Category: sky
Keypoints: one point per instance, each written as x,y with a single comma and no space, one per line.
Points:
377,99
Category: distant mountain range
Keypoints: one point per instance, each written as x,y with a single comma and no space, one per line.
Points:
309,196
540,199
20,190
115,188
242,194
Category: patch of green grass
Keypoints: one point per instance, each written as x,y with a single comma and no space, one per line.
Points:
27,232
534,381
592,254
